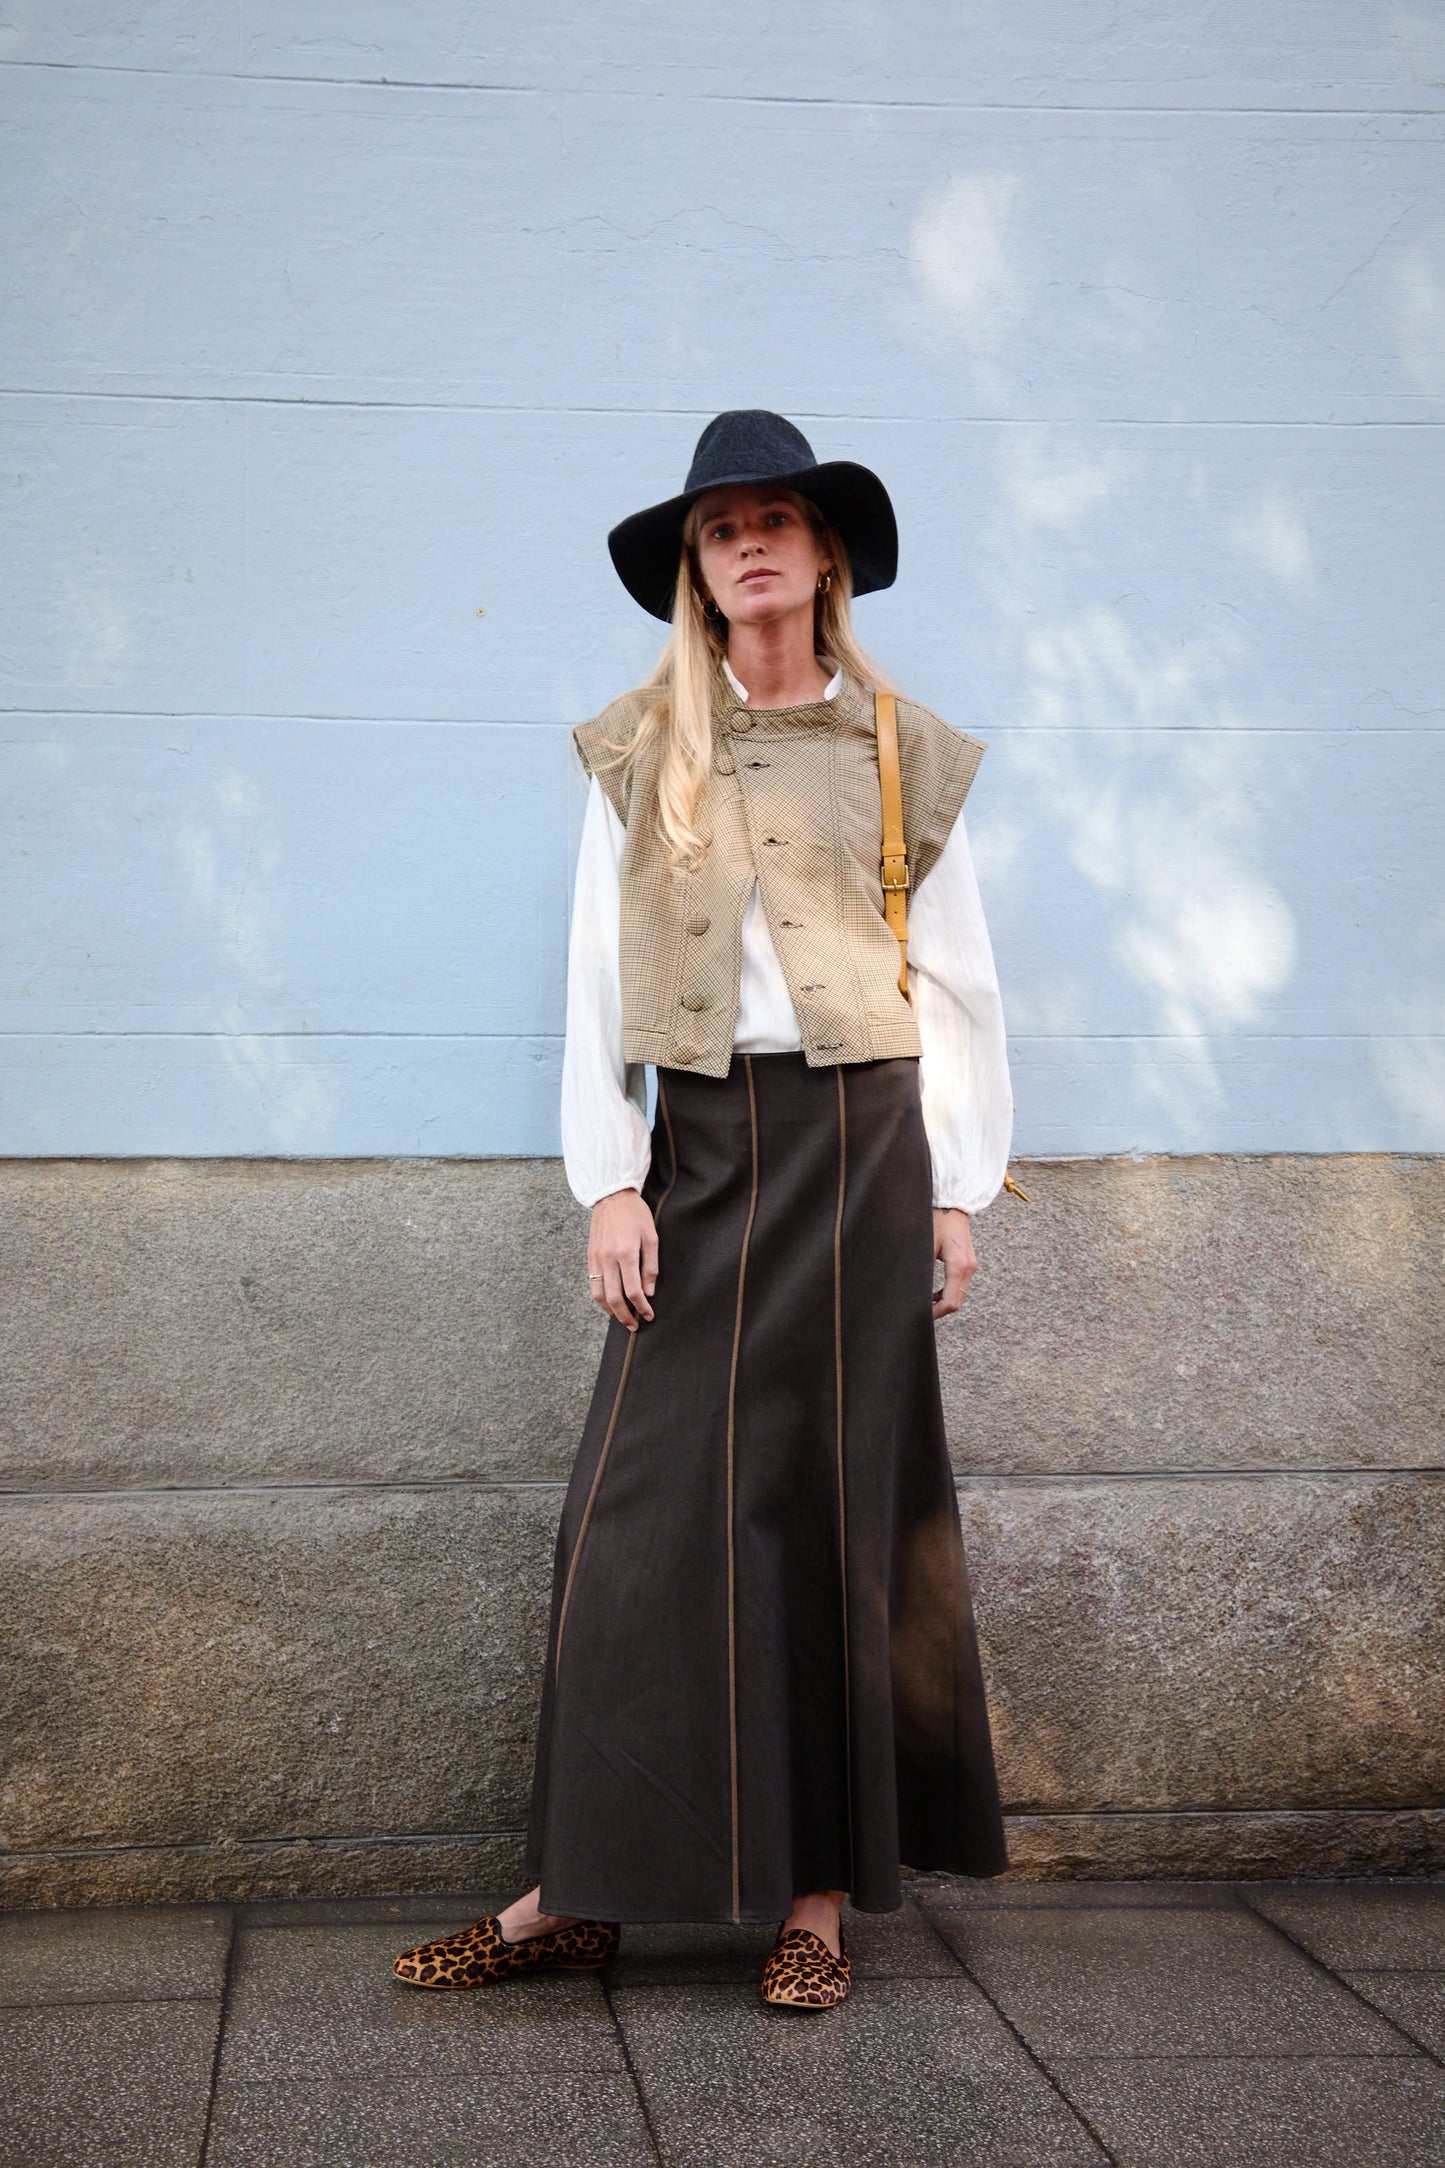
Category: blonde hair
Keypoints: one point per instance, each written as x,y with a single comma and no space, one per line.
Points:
686,672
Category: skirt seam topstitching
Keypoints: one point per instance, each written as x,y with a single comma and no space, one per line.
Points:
842,1496
617,1397
732,1413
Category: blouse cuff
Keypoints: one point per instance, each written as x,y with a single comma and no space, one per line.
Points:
616,1154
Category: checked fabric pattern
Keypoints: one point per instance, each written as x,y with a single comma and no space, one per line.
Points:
792,798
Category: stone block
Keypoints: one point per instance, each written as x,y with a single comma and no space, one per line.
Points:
121,1955
1205,1313
258,1869
1413,2001
318,1691
1083,1847
1158,1980
501,2119
191,1321
1234,1643
107,2084
921,2071
316,2004
218,1668
1309,2111
1388,1926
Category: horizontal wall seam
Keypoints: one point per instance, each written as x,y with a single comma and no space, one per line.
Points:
534,1038
402,1485
214,1848
470,723
1024,1478
1215,1814
540,1037
406,1485
408,1162
612,95
1076,422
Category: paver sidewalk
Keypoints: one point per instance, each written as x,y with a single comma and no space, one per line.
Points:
998,2025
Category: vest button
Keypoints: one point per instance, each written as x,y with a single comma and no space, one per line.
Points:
685,1053
698,925
694,1001
725,764
742,721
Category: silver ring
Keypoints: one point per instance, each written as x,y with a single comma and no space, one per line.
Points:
594,1275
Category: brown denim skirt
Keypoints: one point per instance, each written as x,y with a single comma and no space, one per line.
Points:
762,1675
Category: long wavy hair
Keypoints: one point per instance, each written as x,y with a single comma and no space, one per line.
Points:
685,677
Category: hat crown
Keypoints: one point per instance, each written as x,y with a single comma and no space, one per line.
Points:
747,444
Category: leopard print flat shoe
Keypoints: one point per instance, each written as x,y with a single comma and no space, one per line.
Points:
802,1972
480,1954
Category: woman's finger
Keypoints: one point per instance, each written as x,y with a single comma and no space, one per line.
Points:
632,1284
649,1258
616,1301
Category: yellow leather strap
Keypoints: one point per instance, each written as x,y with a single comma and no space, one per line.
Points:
897,880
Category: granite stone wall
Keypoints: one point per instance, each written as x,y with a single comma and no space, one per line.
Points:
282,1455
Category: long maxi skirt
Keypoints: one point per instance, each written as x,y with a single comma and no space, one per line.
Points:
762,1675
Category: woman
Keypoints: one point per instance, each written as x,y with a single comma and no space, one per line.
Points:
762,1690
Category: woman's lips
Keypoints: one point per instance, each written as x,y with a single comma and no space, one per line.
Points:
764,572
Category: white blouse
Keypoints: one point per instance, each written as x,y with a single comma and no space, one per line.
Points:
967,1094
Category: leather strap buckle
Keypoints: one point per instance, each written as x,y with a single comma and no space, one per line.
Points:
893,855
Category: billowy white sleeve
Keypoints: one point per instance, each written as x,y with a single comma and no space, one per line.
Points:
967,1093
605,1140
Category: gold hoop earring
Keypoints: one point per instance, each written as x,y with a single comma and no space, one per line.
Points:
825,581
710,609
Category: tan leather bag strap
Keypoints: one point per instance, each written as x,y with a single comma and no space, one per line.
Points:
897,880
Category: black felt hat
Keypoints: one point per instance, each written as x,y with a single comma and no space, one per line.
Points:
748,444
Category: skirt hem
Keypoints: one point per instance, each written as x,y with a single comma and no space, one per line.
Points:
751,1917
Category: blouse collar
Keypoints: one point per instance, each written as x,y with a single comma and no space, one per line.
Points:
829,690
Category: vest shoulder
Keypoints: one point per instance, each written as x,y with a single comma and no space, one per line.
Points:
944,740
599,740
938,763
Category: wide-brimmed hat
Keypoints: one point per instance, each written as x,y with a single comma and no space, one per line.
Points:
748,444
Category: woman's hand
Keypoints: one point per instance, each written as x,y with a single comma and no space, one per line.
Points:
953,1242
622,1256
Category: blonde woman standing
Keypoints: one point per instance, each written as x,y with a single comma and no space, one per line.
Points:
762,1688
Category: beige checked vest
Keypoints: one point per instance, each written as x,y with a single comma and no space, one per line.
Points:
793,800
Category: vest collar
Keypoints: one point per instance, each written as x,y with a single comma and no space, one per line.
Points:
731,712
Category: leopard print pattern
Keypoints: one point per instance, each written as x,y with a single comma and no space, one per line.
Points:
803,1973
479,1955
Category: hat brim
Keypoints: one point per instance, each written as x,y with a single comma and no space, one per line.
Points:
644,547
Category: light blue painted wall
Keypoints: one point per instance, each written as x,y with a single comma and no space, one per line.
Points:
326,327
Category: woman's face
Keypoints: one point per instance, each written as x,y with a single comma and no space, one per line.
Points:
757,553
